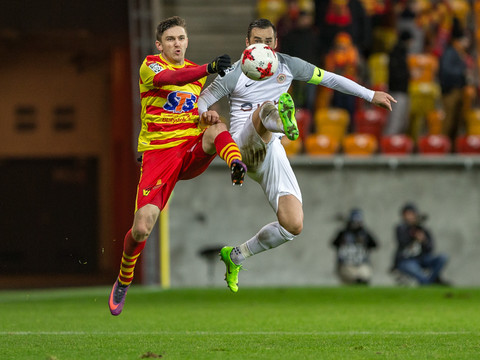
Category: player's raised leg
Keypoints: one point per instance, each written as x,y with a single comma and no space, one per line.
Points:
281,119
218,139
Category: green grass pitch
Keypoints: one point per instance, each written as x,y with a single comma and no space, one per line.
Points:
256,323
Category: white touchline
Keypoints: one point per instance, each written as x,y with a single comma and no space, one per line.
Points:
206,333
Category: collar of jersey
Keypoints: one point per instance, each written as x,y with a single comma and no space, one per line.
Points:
172,65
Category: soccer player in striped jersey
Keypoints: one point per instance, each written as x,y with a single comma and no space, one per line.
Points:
261,112
175,144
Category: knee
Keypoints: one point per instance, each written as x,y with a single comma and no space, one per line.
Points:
217,129
293,226
140,232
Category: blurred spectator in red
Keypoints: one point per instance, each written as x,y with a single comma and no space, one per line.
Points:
334,16
398,79
453,80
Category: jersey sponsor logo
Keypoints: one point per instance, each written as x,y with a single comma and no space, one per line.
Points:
246,107
249,106
281,78
180,101
156,68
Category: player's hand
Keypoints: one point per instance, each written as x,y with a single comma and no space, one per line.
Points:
383,99
208,118
219,65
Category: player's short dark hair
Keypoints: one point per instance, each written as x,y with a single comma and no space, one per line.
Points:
262,24
169,23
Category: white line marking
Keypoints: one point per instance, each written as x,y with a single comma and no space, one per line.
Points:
207,333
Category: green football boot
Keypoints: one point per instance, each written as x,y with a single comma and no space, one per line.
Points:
286,110
231,273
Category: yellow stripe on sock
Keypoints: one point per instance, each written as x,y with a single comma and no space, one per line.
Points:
233,156
134,257
227,149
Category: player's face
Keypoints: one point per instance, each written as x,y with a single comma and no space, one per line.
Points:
262,36
173,45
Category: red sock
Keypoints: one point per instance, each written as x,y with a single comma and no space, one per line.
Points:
131,252
226,148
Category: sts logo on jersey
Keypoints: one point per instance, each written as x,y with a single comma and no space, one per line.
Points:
179,101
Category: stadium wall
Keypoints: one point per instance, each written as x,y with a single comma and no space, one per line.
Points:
208,212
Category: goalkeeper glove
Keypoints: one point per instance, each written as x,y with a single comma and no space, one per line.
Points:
219,65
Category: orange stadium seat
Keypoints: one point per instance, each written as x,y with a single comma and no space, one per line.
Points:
332,122
434,145
370,121
396,145
473,122
423,67
359,144
435,119
321,145
469,144
292,148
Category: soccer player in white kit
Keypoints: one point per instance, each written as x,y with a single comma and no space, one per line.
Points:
257,125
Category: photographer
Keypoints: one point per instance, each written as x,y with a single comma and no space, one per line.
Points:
414,255
353,245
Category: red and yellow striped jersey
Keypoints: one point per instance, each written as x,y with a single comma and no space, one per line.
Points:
169,95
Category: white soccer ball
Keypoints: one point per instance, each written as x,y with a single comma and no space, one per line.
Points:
259,62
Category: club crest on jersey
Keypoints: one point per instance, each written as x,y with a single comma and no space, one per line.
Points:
156,68
180,101
281,78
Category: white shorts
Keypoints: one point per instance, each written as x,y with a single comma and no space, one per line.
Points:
267,164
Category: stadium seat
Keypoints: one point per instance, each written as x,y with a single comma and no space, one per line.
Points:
435,119
473,122
359,144
396,145
424,97
321,145
469,144
304,122
370,121
434,145
332,122
292,148
423,67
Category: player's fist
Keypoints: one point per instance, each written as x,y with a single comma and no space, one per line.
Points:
219,65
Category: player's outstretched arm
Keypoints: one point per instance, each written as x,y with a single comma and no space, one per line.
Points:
383,99
186,75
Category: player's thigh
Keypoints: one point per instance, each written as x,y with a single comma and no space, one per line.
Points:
277,178
195,161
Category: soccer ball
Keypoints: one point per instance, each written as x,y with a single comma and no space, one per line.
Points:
259,62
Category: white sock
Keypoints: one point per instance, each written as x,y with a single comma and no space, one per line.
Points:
270,118
269,237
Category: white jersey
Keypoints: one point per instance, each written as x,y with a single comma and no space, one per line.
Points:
245,95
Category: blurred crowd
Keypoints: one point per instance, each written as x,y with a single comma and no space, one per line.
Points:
424,53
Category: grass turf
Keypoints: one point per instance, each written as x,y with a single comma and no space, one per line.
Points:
285,323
